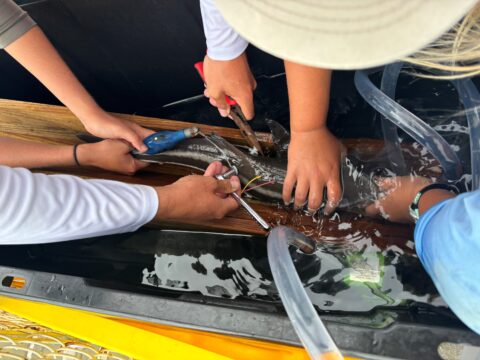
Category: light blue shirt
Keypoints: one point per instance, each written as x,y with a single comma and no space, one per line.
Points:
447,240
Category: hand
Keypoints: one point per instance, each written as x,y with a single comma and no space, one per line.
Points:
398,194
232,78
199,198
313,164
107,126
113,155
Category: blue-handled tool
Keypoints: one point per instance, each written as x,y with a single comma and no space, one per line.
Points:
167,140
157,142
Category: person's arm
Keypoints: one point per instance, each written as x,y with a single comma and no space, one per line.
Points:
113,155
314,153
397,193
39,208
446,239
226,66
447,242
27,44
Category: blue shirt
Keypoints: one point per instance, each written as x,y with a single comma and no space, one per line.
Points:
447,240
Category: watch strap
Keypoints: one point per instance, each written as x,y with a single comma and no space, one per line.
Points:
414,213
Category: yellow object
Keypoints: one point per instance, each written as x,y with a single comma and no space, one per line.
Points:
23,339
232,347
134,342
147,341
248,183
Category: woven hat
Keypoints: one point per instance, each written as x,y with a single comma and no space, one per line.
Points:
342,34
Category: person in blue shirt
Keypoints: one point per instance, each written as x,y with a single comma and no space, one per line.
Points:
447,237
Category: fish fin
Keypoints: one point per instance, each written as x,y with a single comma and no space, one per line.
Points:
280,137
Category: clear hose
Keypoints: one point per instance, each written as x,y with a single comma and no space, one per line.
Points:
470,98
411,124
305,320
388,85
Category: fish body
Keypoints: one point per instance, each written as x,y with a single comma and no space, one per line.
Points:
358,177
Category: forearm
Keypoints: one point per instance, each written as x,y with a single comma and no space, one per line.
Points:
35,52
18,153
309,95
432,198
38,208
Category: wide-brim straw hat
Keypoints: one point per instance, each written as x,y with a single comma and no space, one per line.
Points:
342,34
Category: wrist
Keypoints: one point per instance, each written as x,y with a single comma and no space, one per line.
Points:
164,206
314,130
85,155
89,114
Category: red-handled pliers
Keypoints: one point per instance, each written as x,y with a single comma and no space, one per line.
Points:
236,115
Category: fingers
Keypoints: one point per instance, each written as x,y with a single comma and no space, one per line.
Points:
214,168
334,195
140,164
246,104
229,204
141,131
301,193
315,196
288,185
133,138
227,186
218,99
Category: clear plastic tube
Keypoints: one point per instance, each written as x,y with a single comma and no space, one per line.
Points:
470,98
305,320
388,85
411,124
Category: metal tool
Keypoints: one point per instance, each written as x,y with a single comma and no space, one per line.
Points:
242,202
157,142
237,116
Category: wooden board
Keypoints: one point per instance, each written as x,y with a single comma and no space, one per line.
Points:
57,125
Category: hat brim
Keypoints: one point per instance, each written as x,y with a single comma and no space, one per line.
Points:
342,34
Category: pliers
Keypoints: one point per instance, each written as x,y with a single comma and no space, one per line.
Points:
236,115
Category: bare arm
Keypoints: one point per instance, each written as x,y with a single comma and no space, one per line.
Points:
18,153
308,95
35,52
113,155
314,153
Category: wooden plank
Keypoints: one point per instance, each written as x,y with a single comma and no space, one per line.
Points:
57,125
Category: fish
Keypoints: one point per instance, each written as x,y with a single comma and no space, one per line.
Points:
358,176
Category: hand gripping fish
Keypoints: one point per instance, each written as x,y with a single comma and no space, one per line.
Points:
358,177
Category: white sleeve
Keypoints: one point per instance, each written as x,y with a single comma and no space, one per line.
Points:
39,208
223,43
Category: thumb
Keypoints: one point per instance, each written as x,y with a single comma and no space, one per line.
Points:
135,139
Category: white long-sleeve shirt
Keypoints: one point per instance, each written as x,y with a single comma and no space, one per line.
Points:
39,208
223,43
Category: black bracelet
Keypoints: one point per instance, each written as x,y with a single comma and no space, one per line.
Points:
414,205
75,155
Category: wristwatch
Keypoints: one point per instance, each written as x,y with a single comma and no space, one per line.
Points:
413,208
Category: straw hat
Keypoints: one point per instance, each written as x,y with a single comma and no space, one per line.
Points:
342,34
